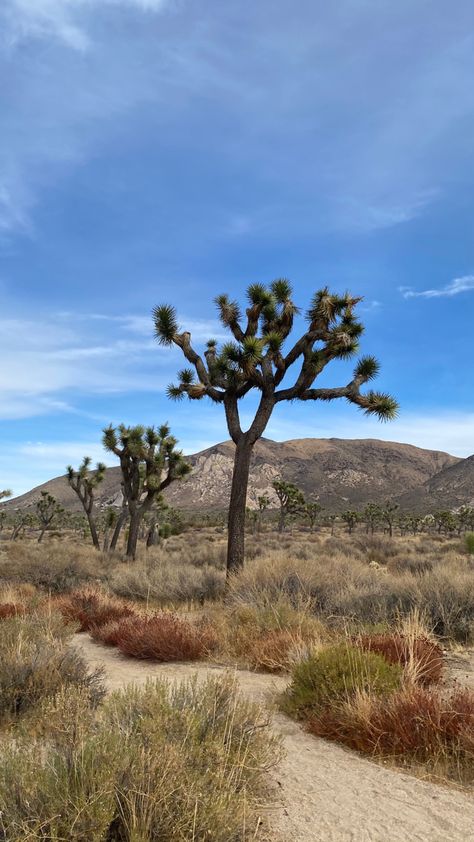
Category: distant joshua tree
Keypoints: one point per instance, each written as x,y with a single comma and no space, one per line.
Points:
255,358
85,482
150,463
351,518
5,493
312,512
263,503
47,509
388,515
291,501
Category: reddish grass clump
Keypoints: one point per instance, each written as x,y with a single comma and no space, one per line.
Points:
413,722
11,609
425,655
161,637
92,609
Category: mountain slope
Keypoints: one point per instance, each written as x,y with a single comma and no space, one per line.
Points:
341,472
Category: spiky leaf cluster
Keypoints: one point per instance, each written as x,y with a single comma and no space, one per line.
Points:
255,357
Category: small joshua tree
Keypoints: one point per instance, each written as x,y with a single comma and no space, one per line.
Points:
388,515
372,515
312,511
351,518
263,503
5,493
85,482
150,463
291,501
47,509
256,359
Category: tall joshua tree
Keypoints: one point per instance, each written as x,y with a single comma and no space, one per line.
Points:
291,501
257,358
149,462
85,482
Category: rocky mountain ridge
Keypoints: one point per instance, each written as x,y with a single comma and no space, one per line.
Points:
340,473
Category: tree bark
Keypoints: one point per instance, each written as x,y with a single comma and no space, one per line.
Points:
93,531
133,533
238,499
118,528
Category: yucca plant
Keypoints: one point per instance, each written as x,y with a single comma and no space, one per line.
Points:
149,462
256,359
84,483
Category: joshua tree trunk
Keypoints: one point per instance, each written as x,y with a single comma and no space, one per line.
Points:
42,534
238,499
153,537
93,530
133,534
244,443
118,528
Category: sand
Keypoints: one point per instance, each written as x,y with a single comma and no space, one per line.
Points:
323,792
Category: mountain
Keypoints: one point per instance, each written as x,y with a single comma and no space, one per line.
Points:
448,489
341,473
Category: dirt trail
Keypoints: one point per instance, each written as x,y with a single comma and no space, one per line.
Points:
324,792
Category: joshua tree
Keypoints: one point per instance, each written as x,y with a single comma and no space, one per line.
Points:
388,515
149,462
311,511
84,482
263,503
47,508
109,521
257,359
291,501
372,515
153,533
5,493
351,518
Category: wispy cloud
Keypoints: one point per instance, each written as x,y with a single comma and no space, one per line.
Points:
47,365
455,287
61,19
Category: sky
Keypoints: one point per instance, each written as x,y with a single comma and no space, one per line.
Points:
168,150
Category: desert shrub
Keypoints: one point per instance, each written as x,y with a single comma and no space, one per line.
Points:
410,564
91,608
447,599
335,673
469,542
53,567
423,656
160,637
11,609
413,724
35,663
167,762
268,637
377,548
168,583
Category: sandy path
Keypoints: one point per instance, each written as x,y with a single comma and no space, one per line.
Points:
324,792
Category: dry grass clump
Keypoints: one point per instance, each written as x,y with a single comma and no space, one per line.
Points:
170,582
336,673
91,608
159,637
269,637
53,567
422,656
414,725
167,762
35,663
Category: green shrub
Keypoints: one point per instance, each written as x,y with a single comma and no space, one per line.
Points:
35,663
469,542
164,762
334,674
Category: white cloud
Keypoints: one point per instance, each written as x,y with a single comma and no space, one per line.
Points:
458,285
61,19
47,365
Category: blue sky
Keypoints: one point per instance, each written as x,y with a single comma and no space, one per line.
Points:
168,150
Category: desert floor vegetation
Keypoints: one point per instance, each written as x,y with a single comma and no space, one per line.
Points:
167,761
360,624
